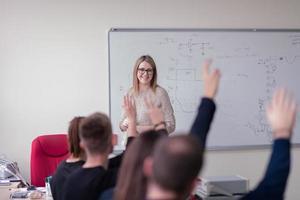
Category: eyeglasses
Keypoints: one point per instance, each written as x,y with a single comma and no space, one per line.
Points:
143,71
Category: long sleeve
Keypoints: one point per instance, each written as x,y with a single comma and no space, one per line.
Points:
167,110
273,184
203,120
161,99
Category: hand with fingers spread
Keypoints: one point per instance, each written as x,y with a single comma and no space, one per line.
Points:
130,111
155,114
211,80
281,114
124,125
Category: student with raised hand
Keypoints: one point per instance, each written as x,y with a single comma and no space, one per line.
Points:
207,107
170,179
95,176
145,85
173,170
281,114
74,161
132,182
130,110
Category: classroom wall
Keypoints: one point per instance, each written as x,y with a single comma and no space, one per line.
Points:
54,64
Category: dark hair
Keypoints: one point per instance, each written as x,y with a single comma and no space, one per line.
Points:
176,163
73,137
96,132
132,182
153,82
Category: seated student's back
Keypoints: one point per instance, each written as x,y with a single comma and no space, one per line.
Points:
95,176
74,162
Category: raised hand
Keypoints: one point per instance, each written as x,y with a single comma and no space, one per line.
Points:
281,114
130,111
211,80
154,112
129,108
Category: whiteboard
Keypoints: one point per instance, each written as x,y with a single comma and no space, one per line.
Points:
253,63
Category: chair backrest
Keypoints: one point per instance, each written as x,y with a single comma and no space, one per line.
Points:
47,151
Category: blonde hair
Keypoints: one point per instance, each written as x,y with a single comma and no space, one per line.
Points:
153,83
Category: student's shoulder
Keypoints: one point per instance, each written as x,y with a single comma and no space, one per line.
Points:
93,171
83,174
71,166
76,173
61,166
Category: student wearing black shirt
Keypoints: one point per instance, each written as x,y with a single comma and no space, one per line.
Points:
96,175
74,161
281,114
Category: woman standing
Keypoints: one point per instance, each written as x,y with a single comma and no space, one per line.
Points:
145,87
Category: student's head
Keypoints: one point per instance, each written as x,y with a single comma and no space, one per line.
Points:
73,137
176,163
144,72
132,183
96,134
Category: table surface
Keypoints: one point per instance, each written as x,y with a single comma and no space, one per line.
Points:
5,192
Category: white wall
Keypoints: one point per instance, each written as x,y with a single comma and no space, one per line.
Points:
54,64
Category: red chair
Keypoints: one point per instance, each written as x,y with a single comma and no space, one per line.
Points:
47,151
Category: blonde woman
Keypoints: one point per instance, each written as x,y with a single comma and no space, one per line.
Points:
145,87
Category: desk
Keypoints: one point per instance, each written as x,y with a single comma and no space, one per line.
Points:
5,192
